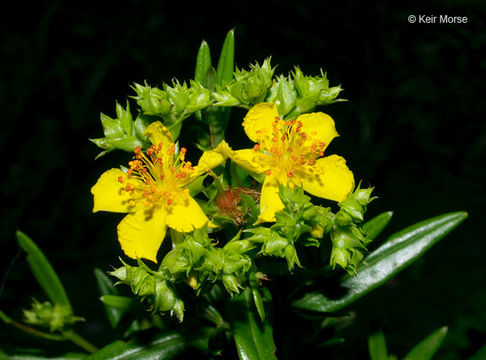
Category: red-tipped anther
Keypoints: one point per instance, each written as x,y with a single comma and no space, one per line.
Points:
275,139
183,150
137,149
268,172
169,201
311,162
120,179
256,147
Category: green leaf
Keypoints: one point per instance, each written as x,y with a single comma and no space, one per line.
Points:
479,355
428,347
106,288
226,63
28,356
203,63
375,226
43,271
254,338
162,346
117,302
399,251
377,346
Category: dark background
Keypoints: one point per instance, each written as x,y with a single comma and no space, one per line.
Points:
413,127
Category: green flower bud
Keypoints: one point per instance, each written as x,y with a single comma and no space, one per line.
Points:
54,317
248,87
178,309
177,262
290,255
231,283
152,101
164,297
224,98
199,97
235,263
284,95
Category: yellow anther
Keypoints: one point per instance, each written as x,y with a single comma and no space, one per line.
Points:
131,203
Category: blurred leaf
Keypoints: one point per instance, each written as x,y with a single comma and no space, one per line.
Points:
226,63
106,287
375,226
29,330
43,271
479,355
118,302
377,346
399,251
254,338
162,346
427,347
203,63
27,356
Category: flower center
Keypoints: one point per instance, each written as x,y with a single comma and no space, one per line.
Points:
289,146
153,178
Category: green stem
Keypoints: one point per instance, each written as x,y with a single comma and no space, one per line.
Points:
80,341
176,237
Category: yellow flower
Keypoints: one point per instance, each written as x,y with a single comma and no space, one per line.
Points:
291,153
153,192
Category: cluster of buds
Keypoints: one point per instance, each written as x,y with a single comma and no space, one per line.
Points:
348,240
121,132
152,287
172,104
199,263
247,88
54,317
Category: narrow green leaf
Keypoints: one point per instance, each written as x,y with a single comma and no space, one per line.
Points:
375,226
43,271
377,346
162,346
479,355
67,356
117,302
399,251
203,63
428,347
254,338
226,63
106,287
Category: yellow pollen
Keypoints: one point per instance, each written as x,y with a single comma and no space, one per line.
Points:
131,203
153,189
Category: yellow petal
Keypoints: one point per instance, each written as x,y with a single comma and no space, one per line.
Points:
108,194
328,178
246,158
260,118
270,202
141,233
319,127
158,133
184,214
208,161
